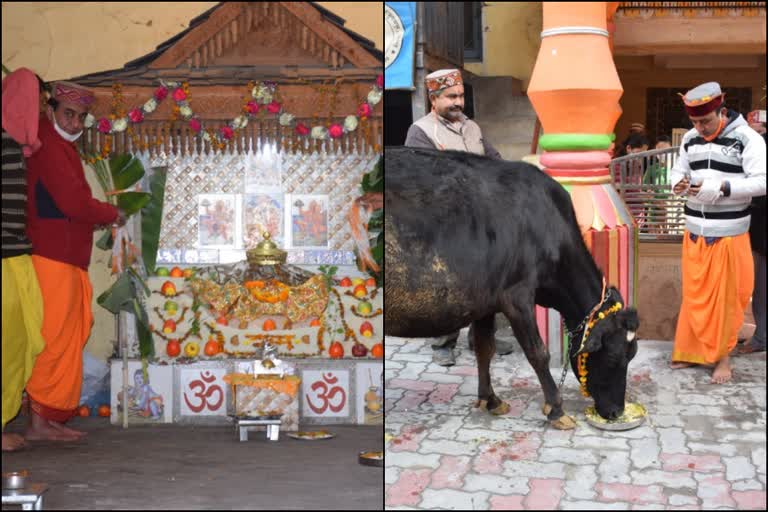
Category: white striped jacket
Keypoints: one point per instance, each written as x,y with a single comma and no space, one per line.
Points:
736,155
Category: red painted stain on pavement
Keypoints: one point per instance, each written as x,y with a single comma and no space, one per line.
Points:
507,503
699,463
406,492
411,400
749,500
645,494
523,445
451,472
443,393
545,493
409,439
410,384
463,370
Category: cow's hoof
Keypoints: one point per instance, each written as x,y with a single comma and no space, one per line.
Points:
546,409
500,410
564,422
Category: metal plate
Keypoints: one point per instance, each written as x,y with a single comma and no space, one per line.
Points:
634,416
368,459
311,436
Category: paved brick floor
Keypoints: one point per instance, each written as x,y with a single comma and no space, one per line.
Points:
702,447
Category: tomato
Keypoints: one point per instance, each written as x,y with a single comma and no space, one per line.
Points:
104,410
377,351
336,351
269,325
173,348
83,411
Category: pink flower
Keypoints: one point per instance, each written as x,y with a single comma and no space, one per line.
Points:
179,94
136,115
194,124
364,111
380,81
227,132
301,129
273,108
252,107
161,93
104,125
335,131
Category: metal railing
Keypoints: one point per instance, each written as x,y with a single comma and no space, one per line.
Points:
642,180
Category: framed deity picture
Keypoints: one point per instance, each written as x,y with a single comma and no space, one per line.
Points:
309,221
216,220
262,213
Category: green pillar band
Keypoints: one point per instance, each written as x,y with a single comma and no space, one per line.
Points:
575,141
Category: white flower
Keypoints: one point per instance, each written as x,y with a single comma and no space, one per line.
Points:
319,133
185,112
286,119
262,93
350,123
255,91
150,106
206,136
240,122
89,120
120,125
374,97
169,85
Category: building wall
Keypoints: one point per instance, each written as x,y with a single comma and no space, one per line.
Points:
636,82
511,38
65,39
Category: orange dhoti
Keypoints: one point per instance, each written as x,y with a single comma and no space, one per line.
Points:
717,286
57,377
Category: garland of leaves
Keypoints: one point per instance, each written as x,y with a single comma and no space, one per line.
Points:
261,98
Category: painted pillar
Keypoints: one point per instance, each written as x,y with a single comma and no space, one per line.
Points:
575,91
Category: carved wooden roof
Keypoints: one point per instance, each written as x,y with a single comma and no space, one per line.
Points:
235,42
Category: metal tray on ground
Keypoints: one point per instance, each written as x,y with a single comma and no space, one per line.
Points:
634,416
375,459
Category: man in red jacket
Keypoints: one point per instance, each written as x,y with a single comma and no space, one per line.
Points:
62,215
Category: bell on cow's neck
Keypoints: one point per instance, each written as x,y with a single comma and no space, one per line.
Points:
266,253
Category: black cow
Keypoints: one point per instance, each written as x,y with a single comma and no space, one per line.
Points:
467,237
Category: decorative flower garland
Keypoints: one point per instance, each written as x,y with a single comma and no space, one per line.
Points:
581,359
262,97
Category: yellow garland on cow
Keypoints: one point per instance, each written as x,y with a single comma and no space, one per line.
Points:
581,359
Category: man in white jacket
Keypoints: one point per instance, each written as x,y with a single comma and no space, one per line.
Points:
720,168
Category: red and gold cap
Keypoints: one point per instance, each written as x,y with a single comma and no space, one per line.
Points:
703,99
74,93
443,79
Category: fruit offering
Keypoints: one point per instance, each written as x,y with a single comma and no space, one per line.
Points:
346,282
191,349
364,308
176,272
162,272
377,351
169,327
211,347
360,291
366,329
359,350
168,289
173,348
336,350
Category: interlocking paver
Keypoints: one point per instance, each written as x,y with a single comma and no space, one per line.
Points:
703,446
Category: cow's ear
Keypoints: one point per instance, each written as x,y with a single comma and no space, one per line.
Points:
595,340
630,322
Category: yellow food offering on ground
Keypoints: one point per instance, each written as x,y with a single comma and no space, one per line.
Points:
632,412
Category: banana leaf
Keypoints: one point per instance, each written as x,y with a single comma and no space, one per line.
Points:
105,243
126,170
151,217
119,296
146,345
132,202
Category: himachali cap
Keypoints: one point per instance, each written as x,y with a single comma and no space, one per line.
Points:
703,99
443,79
74,93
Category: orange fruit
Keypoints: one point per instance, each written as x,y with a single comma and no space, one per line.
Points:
211,348
83,411
176,272
283,295
370,282
346,282
269,325
315,322
104,410
336,351
377,351
222,320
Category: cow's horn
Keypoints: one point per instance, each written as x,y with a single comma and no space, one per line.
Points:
630,336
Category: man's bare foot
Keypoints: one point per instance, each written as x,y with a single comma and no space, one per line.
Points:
48,433
677,366
722,373
60,427
12,442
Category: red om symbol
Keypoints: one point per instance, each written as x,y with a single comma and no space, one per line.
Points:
327,395
204,395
